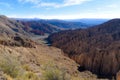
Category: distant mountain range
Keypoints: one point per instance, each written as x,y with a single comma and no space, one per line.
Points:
66,24
90,21
96,49
58,23
69,24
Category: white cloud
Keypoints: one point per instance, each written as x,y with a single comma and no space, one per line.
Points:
73,2
44,4
47,16
41,3
69,16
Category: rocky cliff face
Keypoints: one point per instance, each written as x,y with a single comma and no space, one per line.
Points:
97,49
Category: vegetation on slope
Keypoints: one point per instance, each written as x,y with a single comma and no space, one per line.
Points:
41,63
96,49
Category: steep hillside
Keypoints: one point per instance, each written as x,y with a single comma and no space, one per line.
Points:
11,27
12,33
96,49
40,63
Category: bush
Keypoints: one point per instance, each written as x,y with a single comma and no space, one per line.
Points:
54,73
26,67
10,65
28,76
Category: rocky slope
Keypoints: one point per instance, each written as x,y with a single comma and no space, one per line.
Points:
96,49
13,33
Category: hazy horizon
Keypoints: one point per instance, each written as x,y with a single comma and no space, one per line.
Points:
60,9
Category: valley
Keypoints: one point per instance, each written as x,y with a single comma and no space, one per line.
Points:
50,49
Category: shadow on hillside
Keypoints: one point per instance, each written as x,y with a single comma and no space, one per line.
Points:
100,76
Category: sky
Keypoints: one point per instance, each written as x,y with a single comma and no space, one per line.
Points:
60,9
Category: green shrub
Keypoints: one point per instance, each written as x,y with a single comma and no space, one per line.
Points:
54,73
10,65
26,67
28,76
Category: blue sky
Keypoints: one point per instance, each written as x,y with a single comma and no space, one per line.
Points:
60,9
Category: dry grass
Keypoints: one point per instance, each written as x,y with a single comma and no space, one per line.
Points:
10,65
40,63
52,72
